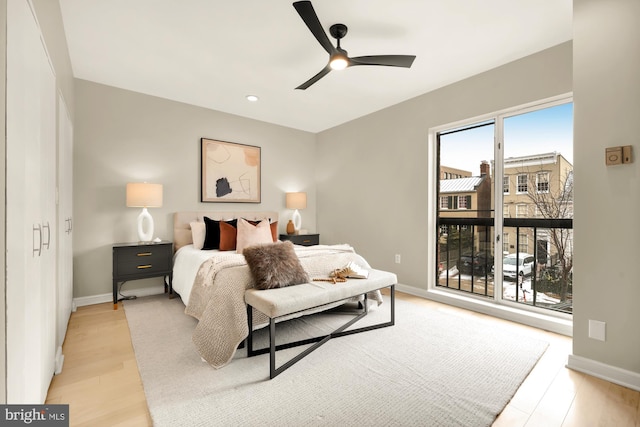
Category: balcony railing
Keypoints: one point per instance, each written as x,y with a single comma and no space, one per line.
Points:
539,271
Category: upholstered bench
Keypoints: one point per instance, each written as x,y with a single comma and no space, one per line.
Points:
280,302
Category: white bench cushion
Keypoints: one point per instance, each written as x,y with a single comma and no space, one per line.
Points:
291,299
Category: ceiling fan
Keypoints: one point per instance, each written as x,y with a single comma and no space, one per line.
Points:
338,57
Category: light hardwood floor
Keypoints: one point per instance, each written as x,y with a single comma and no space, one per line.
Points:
101,383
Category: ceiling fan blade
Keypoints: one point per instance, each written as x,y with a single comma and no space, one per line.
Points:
308,15
315,78
387,60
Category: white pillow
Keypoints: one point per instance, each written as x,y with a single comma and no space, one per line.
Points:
250,235
198,232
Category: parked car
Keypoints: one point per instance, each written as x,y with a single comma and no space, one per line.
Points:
521,265
480,263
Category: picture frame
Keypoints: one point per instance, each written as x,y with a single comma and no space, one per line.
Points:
229,172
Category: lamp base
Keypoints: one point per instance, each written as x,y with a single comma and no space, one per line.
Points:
297,220
145,235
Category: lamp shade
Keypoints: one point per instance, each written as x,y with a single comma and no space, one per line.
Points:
144,195
296,200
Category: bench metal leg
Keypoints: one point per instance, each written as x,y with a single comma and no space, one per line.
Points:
339,332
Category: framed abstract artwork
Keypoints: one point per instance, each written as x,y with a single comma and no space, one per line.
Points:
229,172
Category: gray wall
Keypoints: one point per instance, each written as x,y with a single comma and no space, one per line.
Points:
123,136
607,199
372,175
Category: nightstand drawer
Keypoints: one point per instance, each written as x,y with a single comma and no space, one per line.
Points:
146,259
302,239
141,259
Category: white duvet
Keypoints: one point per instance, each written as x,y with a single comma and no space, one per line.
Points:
186,262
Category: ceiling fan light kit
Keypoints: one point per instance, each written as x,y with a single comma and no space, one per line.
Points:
339,61
338,57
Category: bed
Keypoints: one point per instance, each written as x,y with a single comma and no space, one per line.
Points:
212,283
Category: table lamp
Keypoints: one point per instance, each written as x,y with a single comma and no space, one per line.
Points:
144,195
296,201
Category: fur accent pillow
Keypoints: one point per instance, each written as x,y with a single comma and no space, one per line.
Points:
250,235
275,265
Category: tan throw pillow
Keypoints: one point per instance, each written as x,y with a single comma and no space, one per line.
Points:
275,265
274,228
198,231
250,235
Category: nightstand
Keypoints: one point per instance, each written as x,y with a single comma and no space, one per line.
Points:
302,239
134,261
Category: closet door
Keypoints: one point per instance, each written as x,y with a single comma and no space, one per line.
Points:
47,285
30,130
65,226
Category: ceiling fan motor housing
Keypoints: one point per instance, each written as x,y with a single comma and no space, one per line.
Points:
338,31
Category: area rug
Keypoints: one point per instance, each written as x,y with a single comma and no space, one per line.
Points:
433,368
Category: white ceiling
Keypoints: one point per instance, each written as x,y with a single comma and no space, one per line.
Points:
212,53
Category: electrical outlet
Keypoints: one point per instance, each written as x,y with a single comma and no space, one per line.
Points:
397,258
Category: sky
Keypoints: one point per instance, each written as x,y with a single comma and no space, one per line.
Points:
541,131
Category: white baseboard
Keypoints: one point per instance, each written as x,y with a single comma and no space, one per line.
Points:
562,326
606,372
102,298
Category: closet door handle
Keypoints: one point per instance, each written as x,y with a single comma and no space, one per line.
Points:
37,248
48,235
70,225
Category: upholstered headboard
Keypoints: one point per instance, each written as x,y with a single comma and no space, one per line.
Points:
182,229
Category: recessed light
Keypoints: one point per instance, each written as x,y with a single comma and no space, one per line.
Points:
252,98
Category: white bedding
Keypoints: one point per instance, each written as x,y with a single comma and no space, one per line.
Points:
186,262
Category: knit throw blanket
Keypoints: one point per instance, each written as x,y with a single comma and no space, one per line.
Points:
217,297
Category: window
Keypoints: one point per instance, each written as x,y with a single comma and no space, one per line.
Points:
542,182
464,202
529,147
522,183
444,202
523,243
522,211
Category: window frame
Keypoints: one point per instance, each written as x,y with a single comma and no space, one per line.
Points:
520,185
538,183
501,308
